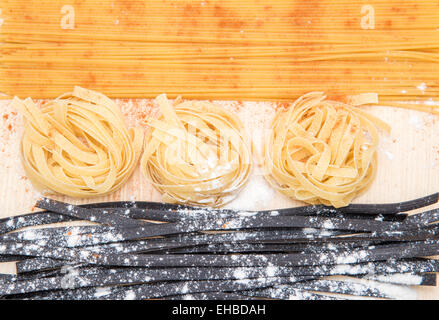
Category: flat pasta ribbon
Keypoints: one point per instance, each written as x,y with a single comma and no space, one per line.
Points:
196,153
321,151
78,144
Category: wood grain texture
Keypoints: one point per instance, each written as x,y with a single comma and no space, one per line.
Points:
408,163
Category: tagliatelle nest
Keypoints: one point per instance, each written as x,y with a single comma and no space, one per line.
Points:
322,151
78,144
196,153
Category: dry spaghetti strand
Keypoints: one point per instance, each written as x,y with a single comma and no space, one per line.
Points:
196,153
322,151
78,144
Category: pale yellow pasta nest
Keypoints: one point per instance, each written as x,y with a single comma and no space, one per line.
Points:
321,151
78,144
196,153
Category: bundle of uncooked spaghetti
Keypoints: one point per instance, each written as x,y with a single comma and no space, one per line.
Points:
78,144
196,153
222,49
322,151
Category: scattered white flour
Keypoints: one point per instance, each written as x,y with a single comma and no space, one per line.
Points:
389,155
256,195
130,295
240,273
271,271
422,87
393,291
102,291
398,278
416,121
70,277
328,225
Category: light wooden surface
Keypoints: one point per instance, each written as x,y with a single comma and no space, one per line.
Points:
408,163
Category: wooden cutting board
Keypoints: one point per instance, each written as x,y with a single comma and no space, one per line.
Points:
408,163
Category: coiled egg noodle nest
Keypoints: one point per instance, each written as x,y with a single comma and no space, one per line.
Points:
196,153
78,144
321,151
